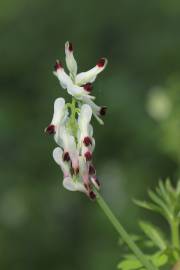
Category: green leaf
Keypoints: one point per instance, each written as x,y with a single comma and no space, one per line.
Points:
155,198
148,243
163,193
169,187
134,237
154,234
147,205
159,259
178,188
130,264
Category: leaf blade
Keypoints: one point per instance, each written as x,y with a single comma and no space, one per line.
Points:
153,234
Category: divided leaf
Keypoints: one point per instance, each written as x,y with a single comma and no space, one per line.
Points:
147,205
132,263
154,235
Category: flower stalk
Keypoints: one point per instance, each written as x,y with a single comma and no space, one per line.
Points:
123,234
175,234
174,227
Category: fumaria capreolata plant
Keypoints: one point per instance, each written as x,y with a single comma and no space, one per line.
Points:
73,133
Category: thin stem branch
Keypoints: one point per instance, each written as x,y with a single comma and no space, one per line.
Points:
174,225
175,233
73,121
124,235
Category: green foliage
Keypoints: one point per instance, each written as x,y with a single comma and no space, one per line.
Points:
165,200
154,234
130,262
166,252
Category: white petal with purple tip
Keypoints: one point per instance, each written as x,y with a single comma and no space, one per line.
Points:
70,60
90,75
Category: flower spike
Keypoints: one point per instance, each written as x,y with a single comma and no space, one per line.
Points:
71,125
80,85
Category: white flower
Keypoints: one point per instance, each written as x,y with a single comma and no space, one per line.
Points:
67,83
58,158
70,60
83,77
73,185
97,110
59,116
84,124
90,75
80,85
68,182
84,172
67,142
86,140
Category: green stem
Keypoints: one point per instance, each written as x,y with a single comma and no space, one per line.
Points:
175,233
124,235
174,225
73,122
73,105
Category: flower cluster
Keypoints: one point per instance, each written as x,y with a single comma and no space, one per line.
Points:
71,126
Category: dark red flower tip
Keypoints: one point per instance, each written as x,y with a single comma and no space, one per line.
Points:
103,111
92,169
87,141
57,65
66,156
97,182
101,62
70,47
50,129
92,195
88,155
88,87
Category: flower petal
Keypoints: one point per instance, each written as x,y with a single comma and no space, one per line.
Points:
59,110
73,154
70,60
97,110
78,92
95,182
67,142
85,118
84,171
62,76
59,116
71,185
58,158
90,76
85,131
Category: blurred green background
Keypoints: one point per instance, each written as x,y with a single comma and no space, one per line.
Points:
42,226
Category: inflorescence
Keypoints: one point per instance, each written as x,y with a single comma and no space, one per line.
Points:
71,125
